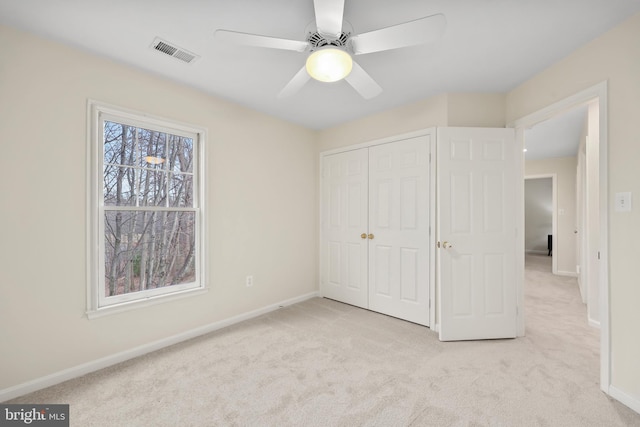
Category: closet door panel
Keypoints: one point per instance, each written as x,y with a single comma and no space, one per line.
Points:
344,218
399,218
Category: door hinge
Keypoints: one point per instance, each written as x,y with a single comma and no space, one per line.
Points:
598,254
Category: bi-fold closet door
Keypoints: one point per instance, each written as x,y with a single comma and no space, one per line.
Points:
375,222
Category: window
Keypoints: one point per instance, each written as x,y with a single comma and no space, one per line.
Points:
146,209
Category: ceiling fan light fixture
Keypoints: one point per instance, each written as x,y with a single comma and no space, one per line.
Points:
329,64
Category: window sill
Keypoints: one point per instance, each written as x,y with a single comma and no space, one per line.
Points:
134,305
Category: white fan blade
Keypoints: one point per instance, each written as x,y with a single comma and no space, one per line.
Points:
260,41
423,30
295,84
329,16
362,82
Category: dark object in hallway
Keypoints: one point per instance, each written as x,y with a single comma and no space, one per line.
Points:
549,243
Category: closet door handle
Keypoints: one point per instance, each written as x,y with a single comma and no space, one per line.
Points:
371,236
363,236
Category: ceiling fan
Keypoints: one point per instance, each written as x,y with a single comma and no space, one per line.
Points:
331,44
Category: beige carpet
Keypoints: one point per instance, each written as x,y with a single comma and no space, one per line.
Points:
323,363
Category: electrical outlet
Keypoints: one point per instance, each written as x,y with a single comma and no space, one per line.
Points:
249,281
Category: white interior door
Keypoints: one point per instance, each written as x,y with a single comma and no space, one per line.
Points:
477,233
399,229
344,219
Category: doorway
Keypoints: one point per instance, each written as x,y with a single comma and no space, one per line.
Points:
596,96
539,220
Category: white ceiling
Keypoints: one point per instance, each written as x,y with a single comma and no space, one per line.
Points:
556,137
488,45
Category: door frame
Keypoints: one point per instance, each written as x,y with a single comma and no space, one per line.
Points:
431,133
581,215
554,212
597,92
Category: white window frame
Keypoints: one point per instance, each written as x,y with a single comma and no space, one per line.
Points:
97,303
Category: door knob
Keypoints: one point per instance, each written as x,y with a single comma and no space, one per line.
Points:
363,236
447,245
371,236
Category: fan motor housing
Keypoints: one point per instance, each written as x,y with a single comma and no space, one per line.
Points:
318,40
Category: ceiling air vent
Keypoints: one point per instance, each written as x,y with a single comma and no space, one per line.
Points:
174,51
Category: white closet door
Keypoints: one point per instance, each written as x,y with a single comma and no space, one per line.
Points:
344,219
399,229
476,218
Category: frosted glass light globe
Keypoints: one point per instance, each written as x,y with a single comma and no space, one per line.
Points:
329,64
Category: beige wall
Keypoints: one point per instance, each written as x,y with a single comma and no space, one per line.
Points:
476,109
449,109
564,246
261,172
614,57
419,115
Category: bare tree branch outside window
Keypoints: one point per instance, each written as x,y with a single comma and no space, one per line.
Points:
149,221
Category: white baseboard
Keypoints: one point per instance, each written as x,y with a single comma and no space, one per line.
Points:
632,402
567,273
536,251
85,368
